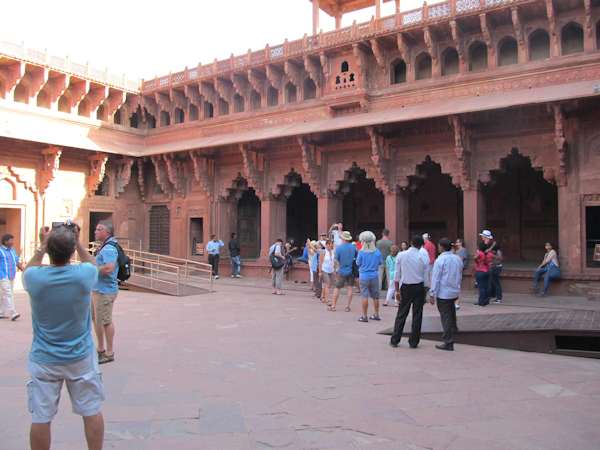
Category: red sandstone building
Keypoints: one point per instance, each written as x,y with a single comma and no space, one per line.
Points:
458,116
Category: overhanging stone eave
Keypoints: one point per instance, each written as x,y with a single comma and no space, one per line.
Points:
440,108
34,124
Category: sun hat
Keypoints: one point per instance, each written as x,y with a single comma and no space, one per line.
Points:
486,234
346,236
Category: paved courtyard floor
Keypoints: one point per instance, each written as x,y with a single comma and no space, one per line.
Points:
244,369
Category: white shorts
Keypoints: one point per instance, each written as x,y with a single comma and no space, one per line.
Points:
84,383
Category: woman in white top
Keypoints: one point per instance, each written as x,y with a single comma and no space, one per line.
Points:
549,269
327,269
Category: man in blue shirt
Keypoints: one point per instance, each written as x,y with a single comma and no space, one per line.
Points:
445,286
62,350
213,248
9,263
345,255
105,291
368,261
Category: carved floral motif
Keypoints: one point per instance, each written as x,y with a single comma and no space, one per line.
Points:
97,171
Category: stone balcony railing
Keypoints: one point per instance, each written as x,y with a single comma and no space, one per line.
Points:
65,65
356,32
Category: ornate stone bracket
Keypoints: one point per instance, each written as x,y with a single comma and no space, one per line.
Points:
361,59
225,89
275,77
257,80
294,73
140,177
551,13
252,169
204,172
310,167
462,151
97,171
175,173
518,29
50,165
378,53
458,42
429,39
324,60
487,35
560,141
380,157
123,174
314,70
161,175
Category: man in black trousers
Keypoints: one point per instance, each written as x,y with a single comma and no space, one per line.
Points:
445,287
412,268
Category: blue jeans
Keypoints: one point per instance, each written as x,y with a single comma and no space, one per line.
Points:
495,285
235,265
483,281
549,272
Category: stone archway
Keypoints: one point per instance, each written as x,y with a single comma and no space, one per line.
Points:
521,208
435,203
363,205
301,209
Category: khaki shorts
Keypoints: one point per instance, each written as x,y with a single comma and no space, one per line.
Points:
84,384
103,307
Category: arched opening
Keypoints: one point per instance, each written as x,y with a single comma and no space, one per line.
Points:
450,64
344,67
508,52
398,71
165,119
539,45
478,56
423,66
209,110
290,93
310,89
238,103
363,204
521,209
193,114
150,121
103,188
179,116
435,204
134,120
248,224
223,107
571,39
301,210
272,96
255,100
117,117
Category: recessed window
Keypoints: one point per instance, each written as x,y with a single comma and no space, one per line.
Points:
508,52
572,39
398,71
539,45
450,64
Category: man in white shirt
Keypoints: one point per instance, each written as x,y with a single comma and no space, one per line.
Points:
445,287
213,248
411,274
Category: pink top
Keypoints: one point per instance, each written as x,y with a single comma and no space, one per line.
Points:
430,247
483,261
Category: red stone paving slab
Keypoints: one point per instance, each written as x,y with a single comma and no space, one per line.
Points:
242,369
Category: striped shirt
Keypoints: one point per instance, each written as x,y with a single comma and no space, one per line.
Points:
8,263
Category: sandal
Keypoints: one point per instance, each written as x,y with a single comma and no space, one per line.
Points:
331,308
347,309
100,354
106,358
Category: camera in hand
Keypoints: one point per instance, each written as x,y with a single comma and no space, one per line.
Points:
69,224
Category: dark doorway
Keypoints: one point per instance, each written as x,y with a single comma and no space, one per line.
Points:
248,227
592,236
301,211
196,236
435,204
95,218
363,204
10,223
521,209
160,229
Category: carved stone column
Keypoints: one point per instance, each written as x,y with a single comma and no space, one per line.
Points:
272,222
473,216
225,221
329,211
397,215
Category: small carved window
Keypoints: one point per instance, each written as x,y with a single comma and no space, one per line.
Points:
345,67
423,65
572,39
478,56
539,45
272,96
310,89
450,64
209,110
351,78
398,71
179,115
508,52
338,80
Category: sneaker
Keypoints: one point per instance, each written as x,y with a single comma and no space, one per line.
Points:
15,316
498,301
238,276
106,359
232,276
363,319
2,316
216,277
457,307
374,317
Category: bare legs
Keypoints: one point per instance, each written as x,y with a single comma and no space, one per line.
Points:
336,294
40,435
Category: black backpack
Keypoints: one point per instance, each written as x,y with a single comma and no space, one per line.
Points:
122,260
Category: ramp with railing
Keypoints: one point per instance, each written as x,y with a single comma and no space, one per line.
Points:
167,274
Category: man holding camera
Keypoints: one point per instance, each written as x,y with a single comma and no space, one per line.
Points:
105,291
63,349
